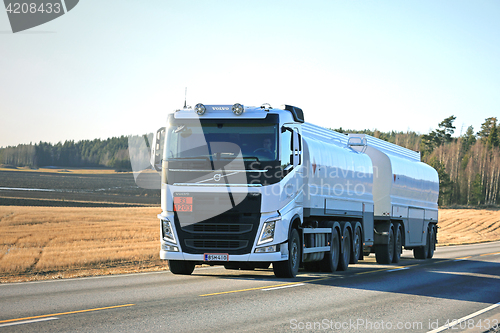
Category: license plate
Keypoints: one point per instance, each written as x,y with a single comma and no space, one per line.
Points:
183,204
216,257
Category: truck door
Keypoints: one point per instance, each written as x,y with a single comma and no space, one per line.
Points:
291,161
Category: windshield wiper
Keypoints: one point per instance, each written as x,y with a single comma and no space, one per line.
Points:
189,158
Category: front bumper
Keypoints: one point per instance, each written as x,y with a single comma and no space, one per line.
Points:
252,257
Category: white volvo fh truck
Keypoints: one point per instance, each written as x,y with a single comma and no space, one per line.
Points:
247,187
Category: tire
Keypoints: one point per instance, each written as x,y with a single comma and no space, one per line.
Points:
331,260
345,255
357,246
384,253
398,246
289,268
422,252
181,267
431,240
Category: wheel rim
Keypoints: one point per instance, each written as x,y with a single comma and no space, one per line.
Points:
399,241
294,254
431,241
391,244
357,243
335,250
346,250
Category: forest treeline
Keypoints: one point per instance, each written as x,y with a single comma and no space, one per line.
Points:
112,152
468,165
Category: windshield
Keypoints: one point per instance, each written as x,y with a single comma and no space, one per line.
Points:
219,141
222,152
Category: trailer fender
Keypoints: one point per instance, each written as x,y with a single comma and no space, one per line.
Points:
381,232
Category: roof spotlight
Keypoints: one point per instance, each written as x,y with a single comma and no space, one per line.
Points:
200,109
237,109
266,106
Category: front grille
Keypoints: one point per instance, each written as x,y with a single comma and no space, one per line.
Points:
216,244
233,231
218,228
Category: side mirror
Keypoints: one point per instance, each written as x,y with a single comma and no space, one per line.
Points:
156,149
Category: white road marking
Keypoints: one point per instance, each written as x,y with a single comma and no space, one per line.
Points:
461,320
28,321
290,286
488,276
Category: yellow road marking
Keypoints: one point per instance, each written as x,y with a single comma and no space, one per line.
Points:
489,254
65,313
463,258
387,269
265,287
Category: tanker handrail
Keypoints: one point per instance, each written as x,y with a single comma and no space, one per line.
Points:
323,134
388,148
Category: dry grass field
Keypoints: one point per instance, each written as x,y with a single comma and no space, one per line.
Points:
58,242
49,242
464,226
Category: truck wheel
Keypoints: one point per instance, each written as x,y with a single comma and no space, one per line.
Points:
345,256
384,253
331,260
398,246
431,240
290,267
422,252
357,246
181,267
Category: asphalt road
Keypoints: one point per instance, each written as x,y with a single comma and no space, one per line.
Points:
461,282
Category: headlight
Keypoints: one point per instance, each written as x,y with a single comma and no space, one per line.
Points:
268,249
170,248
267,234
168,233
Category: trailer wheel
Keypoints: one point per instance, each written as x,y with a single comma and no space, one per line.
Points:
331,260
398,245
289,268
345,256
422,252
384,253
357,246
181,267
431,236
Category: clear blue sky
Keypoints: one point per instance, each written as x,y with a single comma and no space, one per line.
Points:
116,67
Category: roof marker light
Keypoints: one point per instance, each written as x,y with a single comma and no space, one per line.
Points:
200,109
266,106
238,109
